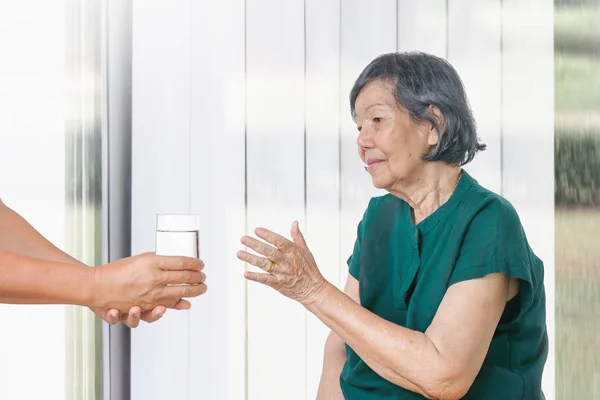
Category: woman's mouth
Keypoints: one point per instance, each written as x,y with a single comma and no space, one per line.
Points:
372,163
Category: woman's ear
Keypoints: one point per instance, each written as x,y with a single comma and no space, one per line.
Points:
433,137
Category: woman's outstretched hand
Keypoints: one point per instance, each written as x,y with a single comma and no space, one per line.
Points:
289,266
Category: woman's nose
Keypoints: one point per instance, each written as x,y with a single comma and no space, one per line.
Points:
364,139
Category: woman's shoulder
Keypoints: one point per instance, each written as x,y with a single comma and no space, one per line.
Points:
492,236
489,217
483,203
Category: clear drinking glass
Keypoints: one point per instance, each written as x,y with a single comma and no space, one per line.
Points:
178,235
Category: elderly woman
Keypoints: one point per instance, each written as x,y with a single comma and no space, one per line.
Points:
444,297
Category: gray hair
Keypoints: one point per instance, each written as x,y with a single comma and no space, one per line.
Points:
421,80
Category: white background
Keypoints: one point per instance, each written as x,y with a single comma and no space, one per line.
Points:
240,114
32,180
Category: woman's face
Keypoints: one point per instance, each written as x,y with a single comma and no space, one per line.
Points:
389,142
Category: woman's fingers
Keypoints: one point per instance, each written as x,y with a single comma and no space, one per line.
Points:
265,279
184,277
255,260
262,248
276,240
298,236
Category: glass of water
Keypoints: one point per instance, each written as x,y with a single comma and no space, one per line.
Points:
178,235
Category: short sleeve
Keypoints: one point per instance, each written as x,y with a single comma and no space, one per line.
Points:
354,259
495,242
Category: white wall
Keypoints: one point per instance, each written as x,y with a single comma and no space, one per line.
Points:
32,181
254,94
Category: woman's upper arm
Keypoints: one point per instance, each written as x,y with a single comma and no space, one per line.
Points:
465,322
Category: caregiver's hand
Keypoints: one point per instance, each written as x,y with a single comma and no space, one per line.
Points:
145,282
289,266
134,315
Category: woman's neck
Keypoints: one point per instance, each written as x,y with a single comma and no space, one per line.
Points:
428,189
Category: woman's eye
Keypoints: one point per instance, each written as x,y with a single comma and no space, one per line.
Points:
359,128
377,119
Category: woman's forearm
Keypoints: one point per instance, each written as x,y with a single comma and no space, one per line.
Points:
26,280
333,363
402,356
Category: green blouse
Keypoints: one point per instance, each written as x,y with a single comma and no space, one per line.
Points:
404,271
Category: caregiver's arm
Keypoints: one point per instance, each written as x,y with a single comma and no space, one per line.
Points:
18,236
144,280
335,354
27,280
26,255
441,363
